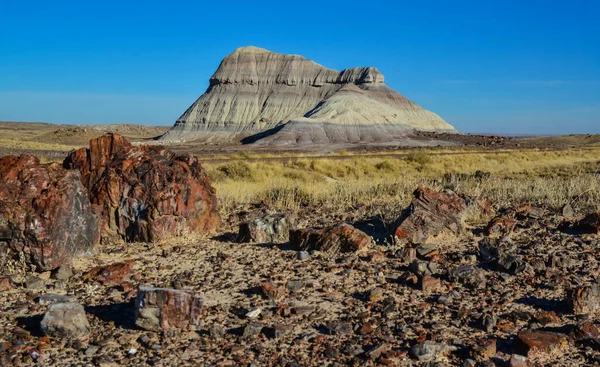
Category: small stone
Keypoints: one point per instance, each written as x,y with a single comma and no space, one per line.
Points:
303,310
339,328
6,283
302,255
378,351
517,360
252,329
33,282
253,313
217,331
64,273
272,291
66,320
430,284
584,300
567,211
91,350
375,294
469,363
547,318
585,330
353,350
428,350
331,352
488,322
485,350
424,267
49,299
294,285
281,330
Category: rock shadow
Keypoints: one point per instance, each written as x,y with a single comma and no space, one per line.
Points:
31,324
122,314
558,306
227,237
254,138
376,227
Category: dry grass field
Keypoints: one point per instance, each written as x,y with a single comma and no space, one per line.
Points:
551,178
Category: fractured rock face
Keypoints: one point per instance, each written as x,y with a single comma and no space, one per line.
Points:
268,229
255,90
430,214
45,212
159,309
145,193
340,238
66,320
584,300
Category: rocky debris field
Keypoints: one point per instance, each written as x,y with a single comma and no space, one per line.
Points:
310,288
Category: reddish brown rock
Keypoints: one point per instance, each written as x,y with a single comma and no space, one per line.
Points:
430,284
45,212
500,226
430,214
535,342
585,330
272,291
584,300
159,309
111,275
339,238
6,283
145,193
547,318
485,349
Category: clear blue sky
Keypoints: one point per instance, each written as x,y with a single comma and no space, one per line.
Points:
527,66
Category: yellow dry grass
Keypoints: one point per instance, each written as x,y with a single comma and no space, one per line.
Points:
21,144
550,178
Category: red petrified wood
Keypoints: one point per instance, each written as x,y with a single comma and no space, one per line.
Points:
44,212
145,193
429,214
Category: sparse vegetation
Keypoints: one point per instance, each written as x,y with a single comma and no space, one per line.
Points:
550,178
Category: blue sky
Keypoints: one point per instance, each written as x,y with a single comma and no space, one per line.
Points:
485,66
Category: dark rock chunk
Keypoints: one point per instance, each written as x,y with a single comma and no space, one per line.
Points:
339,328
468,275
339,238
252,329
145,193
159,309
45,212
268,229
430,214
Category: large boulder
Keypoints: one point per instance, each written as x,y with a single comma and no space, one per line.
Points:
66,321
145,193
45,212
430,214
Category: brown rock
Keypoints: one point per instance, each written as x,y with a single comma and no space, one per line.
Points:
145,193
111,275
268,229
534,342
6,283
501,226
547,318
586,330
584,300
165,309
430,214
339,238
485,350
517,360
429,283
45,212
272,291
